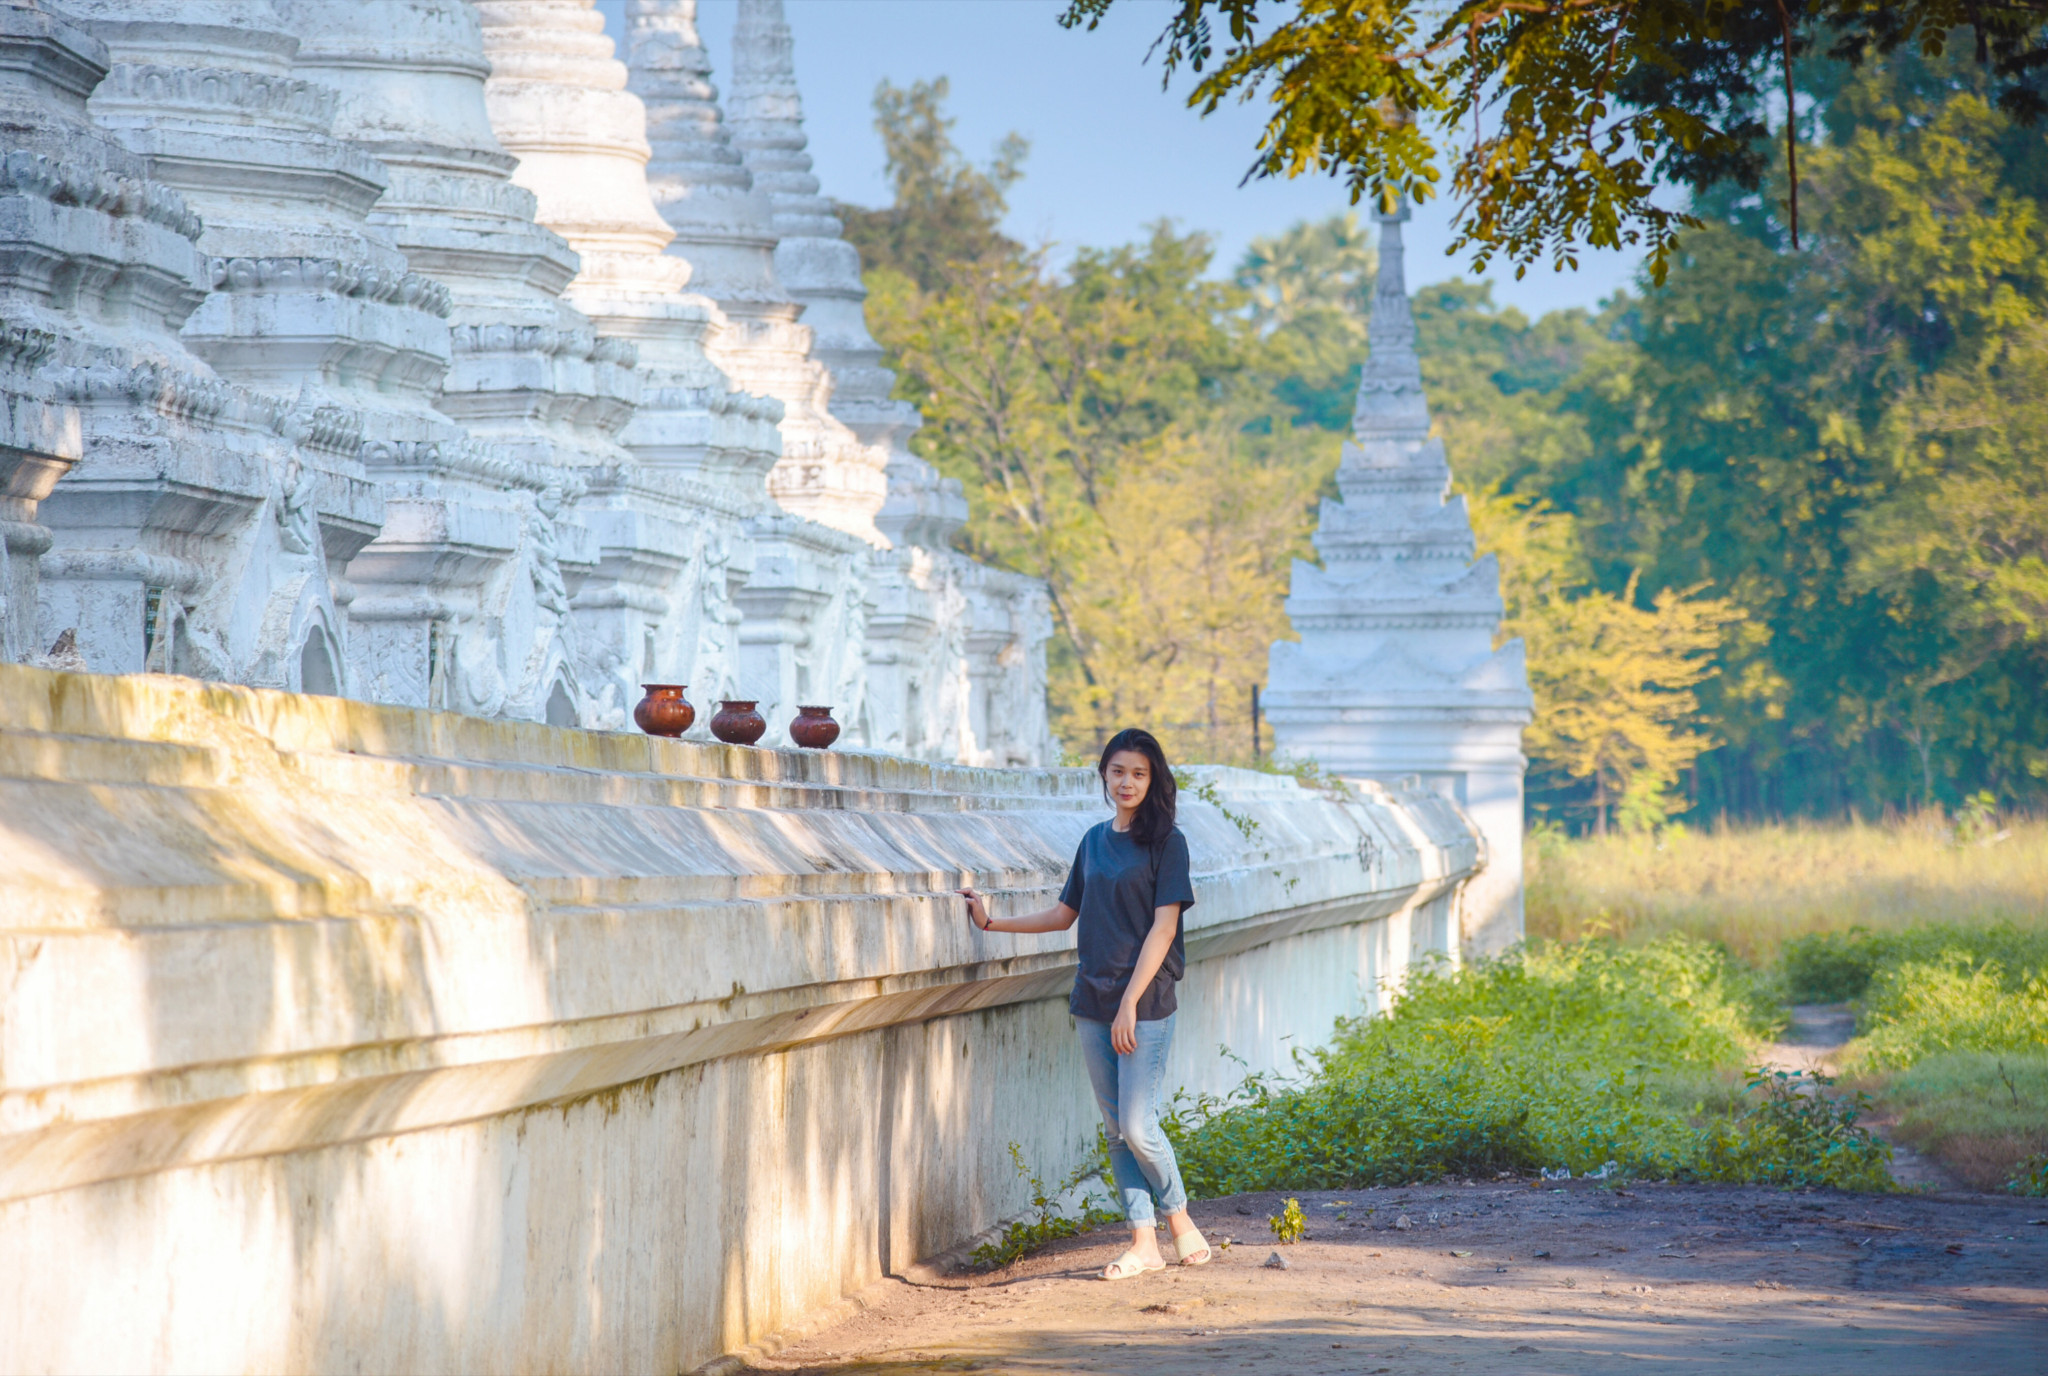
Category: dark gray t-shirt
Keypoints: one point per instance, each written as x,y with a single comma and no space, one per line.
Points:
1115,884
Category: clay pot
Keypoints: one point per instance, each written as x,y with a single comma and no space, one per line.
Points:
814,728
664,711
737,723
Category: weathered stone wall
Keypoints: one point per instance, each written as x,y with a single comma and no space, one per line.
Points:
343,1036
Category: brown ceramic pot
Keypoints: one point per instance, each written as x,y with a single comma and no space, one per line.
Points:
664,711
814,728
737,723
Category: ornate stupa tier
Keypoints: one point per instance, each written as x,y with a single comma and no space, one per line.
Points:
558,102
529,371
200,527
701,186
410,76
768,125
484,536
205,90
711,607
308,298
726,226
822,271
812,258
556,86
1396,674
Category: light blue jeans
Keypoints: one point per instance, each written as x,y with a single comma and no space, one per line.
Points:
1127,1091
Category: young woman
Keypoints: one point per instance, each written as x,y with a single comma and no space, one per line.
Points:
1128,889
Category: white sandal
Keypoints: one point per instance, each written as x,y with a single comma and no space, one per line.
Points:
1188,1244
1128,1265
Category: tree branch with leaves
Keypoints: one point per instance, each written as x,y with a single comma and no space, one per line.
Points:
1581,112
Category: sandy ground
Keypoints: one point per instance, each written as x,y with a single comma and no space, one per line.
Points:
1503,1277
1511,1277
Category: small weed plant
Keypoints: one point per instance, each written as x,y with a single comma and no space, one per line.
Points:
1050,1222
2030,1176
1206,790
1290,1225
1309,774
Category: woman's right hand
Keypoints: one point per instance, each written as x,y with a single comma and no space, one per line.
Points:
977,910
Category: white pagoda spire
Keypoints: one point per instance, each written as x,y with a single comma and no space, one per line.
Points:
820,269
1396,674
725,226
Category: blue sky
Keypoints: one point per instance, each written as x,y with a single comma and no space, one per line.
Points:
1110,151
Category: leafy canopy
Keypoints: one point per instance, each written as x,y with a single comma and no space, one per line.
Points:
1559,118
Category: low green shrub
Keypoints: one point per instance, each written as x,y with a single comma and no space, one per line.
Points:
1837,966
1954,1002
1793,1133
1566,1055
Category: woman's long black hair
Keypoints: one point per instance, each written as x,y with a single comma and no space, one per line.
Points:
1153,822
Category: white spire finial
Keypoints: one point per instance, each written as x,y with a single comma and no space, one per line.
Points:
1390,401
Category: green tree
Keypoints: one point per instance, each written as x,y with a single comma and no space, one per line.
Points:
1099,420
1499,383
1310,290
1783,418
1311,270
944,209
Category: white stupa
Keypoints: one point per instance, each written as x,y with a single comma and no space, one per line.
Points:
1396,675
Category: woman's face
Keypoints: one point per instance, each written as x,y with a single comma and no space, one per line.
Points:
1127,776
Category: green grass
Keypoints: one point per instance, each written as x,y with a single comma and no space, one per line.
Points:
1567,1055
1979,1114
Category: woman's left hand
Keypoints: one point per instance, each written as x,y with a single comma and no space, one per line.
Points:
1123,1033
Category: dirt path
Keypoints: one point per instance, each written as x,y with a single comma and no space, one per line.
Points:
1814,1042
1508,1278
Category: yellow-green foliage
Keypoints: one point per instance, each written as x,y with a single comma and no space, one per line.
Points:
1614,679
1290,1224
1921,1008
1751,890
